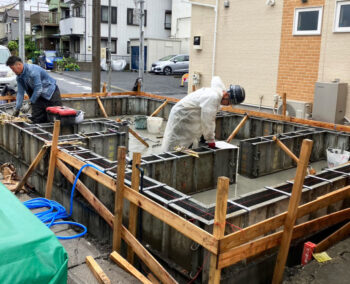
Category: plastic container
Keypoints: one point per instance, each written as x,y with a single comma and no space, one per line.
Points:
154,124
64,114
140,122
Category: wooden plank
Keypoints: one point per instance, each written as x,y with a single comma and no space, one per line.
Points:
52,162
133,209
147,258
31,168
123,263
255,247
235,131
263,227
103,179
219,225
334,238
119,199
291,217
100,208
186,228
101,107
285,149
159,108
153,279
138,137
97,270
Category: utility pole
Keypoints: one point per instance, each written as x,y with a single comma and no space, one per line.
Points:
109,46
141,44
21,28
96,46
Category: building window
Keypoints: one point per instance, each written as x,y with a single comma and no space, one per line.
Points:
128,47
104,44
307,21
342,17
76,12
167,20
77,45
104,14
132,18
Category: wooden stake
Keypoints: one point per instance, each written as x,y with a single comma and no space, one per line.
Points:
104,87
292,210
159,108
52,163
138,137
97,271
31,168
135,185
337,236
239,126
285,149
101,107
119,198
153,279
284,104
219,225
123,263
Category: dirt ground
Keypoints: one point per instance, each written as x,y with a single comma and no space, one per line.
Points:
335,271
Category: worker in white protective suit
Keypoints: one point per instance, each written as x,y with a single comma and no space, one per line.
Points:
195,115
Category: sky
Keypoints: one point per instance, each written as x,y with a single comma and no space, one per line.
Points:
28,5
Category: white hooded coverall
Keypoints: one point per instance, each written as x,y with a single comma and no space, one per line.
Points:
193,116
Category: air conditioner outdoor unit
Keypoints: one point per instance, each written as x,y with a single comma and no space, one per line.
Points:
298,109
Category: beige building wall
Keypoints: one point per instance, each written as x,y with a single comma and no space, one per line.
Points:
247,47
335,52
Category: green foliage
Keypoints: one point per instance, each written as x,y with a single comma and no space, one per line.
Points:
68,64
29,47
12,45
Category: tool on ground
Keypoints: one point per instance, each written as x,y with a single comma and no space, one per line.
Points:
239,126
138,137
187,151
291,154
159,108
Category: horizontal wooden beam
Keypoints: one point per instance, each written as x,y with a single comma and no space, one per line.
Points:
103,179
258,246
185,227
261,228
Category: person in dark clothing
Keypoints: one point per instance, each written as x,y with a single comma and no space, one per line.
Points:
40,87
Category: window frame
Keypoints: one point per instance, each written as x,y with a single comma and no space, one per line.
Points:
113,40
130,15
114,20
308,9
336,27
167,13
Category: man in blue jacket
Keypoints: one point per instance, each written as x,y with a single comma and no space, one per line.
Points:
40,87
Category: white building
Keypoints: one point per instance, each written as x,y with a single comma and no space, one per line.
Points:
76,25
181,23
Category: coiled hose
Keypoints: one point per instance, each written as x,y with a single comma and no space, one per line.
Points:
57,211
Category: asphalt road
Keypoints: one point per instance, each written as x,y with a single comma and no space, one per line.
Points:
80,82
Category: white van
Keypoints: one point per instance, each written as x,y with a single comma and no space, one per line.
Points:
7,77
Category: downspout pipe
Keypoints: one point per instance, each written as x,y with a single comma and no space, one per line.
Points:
215,7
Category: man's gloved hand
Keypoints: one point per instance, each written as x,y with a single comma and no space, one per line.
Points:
211,145
26,107
15,112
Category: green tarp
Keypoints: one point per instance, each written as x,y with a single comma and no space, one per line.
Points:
29,251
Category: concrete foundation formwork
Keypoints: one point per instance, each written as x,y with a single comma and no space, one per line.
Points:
171,177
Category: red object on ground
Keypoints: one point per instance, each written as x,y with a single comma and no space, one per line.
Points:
307,252
211,145
62,111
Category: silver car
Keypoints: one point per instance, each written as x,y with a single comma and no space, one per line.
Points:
7,77
171,64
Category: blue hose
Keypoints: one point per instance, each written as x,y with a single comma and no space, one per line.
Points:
57,211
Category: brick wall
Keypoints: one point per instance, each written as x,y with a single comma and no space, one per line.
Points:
299,56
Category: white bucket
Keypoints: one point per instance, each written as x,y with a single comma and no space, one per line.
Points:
154,124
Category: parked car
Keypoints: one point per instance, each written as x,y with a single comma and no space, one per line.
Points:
171,64
47,58
7,76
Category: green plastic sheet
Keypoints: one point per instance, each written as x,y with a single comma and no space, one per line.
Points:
29,251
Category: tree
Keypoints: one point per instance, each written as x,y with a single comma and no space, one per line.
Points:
13,47
29,47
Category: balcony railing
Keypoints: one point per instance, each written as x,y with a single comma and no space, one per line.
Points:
45,18
72,26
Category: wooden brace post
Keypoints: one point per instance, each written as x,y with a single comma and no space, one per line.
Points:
52,163
239,126
159,108
138,137
97,270
101,107
118,202
135,185
219,225
292,210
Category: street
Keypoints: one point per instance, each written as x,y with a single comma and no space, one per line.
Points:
80,82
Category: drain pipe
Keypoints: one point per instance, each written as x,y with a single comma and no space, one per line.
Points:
215,7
